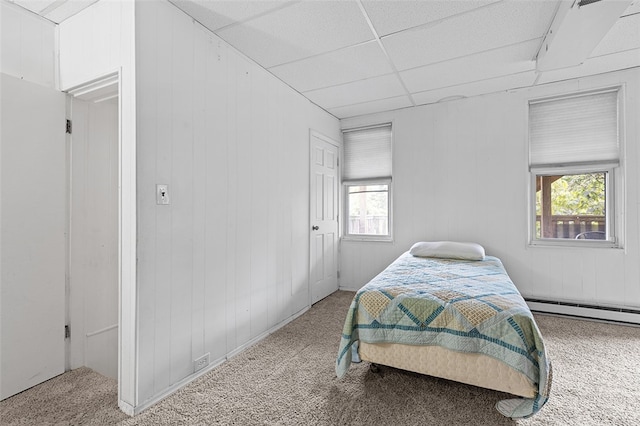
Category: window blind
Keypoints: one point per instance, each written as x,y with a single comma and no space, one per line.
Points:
367,153
578,129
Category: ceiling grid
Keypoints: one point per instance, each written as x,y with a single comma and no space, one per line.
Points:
354,57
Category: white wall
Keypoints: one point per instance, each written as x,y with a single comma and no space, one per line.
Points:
27,45
228,259
96,41
460,173
93,43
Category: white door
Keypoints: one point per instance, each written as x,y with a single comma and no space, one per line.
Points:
324,217
33,219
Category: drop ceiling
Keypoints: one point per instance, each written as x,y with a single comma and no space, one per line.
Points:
354,57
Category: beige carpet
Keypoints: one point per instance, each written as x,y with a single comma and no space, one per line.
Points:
289,379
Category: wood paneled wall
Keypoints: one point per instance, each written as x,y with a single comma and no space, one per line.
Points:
228,259
461,173
98,40
27,46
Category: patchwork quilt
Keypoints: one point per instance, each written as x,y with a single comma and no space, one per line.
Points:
467,306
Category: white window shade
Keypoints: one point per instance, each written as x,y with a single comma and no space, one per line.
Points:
367,153
575,130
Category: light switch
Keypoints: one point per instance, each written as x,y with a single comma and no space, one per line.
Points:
162,194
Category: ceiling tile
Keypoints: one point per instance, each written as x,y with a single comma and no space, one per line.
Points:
371,89
341,66
371,107
490,27
217,14
299,31
392,16
597,65
624,35
481,66
493,85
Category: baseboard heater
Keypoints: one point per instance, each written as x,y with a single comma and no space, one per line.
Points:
604,313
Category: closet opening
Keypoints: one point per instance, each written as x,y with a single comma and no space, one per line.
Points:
93,226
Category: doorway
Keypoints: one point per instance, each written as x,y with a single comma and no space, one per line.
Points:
93,226
61,239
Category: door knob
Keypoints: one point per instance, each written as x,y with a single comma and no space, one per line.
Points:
315,228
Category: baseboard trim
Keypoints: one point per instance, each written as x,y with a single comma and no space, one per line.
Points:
175,387
132,411
260,337
126,408
603,313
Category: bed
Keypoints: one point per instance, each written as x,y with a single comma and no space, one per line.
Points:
450,311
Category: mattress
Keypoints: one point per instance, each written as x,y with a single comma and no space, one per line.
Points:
457,319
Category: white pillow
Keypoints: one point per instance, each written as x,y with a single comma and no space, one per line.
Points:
448,250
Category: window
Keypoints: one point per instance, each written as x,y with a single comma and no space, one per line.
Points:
571,206
366,180
574,159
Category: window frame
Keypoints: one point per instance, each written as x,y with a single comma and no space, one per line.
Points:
377,180
614,184
367,237
609,169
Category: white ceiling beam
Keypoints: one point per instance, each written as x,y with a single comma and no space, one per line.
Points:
53,6
578,27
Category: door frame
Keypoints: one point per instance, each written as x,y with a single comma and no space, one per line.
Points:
127,353
338,144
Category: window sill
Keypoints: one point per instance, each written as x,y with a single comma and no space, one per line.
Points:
589,244
368,239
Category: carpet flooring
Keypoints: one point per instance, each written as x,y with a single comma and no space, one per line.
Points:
289,379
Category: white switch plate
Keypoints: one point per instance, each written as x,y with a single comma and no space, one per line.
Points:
162,194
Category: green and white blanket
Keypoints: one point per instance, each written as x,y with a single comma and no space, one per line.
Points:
466,306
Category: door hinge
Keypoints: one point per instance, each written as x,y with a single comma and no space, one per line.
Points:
69,126
67,331
338,274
